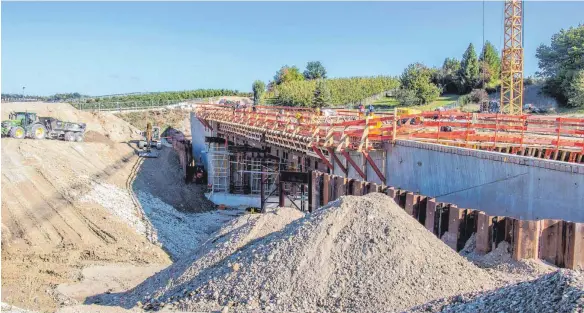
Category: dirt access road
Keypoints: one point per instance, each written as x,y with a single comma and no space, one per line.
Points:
70,225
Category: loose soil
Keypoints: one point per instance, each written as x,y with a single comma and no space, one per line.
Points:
68,207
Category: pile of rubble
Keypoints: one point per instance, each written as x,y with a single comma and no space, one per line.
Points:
360,254
560,291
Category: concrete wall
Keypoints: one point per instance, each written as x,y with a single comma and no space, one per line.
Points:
497,183
358,159
379,159
198,134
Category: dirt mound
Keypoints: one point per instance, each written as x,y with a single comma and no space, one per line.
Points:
49,232
561,291
174,118
360,254
228,240
93,136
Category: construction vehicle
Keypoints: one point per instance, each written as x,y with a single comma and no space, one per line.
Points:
492,106
27,125
151,139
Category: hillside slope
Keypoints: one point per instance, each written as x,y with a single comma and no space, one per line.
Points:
48,232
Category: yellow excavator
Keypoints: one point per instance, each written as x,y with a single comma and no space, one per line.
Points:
151,139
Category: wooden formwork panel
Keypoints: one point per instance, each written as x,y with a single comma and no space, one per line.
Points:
326,183
574,245
430,212
551,241
526,239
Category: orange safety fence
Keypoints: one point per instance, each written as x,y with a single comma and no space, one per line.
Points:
446,127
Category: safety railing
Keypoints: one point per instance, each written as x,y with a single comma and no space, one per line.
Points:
560,138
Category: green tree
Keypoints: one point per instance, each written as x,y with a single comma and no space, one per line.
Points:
322,94
490,65
406,97
575,92
448,75
469,70
258,88
561,62
287,74
314,70
418,78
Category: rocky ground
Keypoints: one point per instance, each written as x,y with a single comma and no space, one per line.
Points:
359,254
68,207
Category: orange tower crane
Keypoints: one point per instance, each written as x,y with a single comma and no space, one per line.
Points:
512,60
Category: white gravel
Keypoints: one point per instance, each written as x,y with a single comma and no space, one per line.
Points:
558,292
117,201
360,254
177,232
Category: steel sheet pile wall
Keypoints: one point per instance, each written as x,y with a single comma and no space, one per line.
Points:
555,241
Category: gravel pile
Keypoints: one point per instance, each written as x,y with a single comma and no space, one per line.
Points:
174,280
359,254
180,233
560,291
500,264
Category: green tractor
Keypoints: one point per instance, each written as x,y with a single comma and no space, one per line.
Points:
23,124
28,124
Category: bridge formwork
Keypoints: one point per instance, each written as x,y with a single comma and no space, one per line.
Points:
524,169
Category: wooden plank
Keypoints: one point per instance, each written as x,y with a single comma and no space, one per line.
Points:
375,167
430,214
326,187
357,187
391,192
409,203
574,253
340,187
550,242
484,233
526,239
451,236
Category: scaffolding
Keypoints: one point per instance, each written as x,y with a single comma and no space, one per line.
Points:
249,173
218,173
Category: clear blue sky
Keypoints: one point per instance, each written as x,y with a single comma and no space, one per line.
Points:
116,47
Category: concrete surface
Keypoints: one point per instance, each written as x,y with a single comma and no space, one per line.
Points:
497,183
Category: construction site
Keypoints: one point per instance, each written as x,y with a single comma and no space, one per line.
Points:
215,207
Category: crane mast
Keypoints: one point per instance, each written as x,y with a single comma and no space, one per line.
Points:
512,59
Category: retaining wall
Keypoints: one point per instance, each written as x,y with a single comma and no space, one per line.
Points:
555,241
497,183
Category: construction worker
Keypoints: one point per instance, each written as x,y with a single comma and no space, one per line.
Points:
361,110
299,117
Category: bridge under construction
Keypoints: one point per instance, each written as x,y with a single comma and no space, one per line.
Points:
516,178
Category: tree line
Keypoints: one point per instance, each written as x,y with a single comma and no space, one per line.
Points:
312,88
176,95
422,85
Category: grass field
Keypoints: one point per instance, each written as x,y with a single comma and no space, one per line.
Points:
387,103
